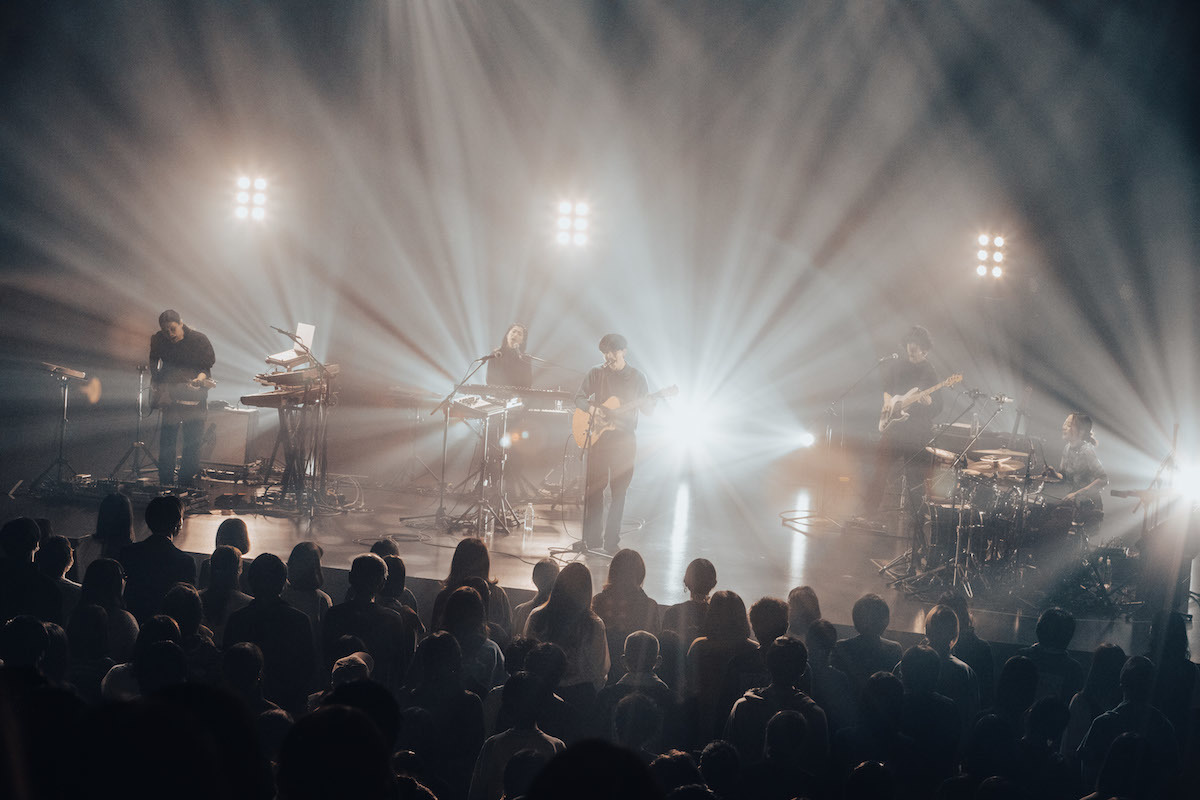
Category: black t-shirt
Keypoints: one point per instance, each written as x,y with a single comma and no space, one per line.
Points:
903,376
181,361
627,385
510,368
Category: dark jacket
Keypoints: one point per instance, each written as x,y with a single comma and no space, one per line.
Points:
152,567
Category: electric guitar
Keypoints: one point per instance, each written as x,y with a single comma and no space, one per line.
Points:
606,420
894,406
184,393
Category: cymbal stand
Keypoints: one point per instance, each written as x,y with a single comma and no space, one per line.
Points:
138,449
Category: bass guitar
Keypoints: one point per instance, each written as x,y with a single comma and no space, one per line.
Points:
606,420
895,406
184,393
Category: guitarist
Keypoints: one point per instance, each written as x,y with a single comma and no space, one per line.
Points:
904,440
610,457
181,360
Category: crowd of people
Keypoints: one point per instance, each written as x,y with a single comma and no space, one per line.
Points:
245,678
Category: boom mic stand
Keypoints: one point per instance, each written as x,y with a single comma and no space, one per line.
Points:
800,519
138,449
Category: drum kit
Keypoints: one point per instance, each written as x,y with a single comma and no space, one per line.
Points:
993,519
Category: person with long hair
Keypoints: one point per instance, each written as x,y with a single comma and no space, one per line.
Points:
104,586
508,365
567,620
483,661
471,559
304,582
1101,692
114,530
725,638
624,606
223,597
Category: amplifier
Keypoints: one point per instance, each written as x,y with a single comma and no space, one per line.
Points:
229,436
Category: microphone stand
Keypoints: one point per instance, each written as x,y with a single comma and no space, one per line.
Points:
444,406
801,519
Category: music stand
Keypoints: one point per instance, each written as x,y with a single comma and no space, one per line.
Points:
138,449
64,376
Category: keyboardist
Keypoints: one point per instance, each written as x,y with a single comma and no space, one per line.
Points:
509,366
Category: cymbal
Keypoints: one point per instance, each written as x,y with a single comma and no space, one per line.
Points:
941,455
992,467
1002,452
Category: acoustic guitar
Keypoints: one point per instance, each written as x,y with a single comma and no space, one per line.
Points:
606,420
894,406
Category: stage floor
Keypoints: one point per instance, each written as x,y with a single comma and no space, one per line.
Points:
673,514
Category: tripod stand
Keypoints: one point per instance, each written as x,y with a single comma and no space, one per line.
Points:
64,376
138,449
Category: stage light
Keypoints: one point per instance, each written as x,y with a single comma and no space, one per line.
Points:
1186,481
243,199
506,441
807,439
572,223
991,252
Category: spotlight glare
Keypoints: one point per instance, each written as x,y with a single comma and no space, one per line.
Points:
241,212
259,214
260,183
997,257
563,237
260,199
983,238
982,254
582,209
564,223
581,224
243,182
581,239
998,241
243,197
564,207
997,272
807,439
981,269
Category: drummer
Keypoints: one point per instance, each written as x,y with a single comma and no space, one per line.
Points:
1081,472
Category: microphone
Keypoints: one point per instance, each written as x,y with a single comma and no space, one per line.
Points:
288,334
1002,398
489,356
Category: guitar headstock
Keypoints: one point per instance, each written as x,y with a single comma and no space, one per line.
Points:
953,379
670,391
